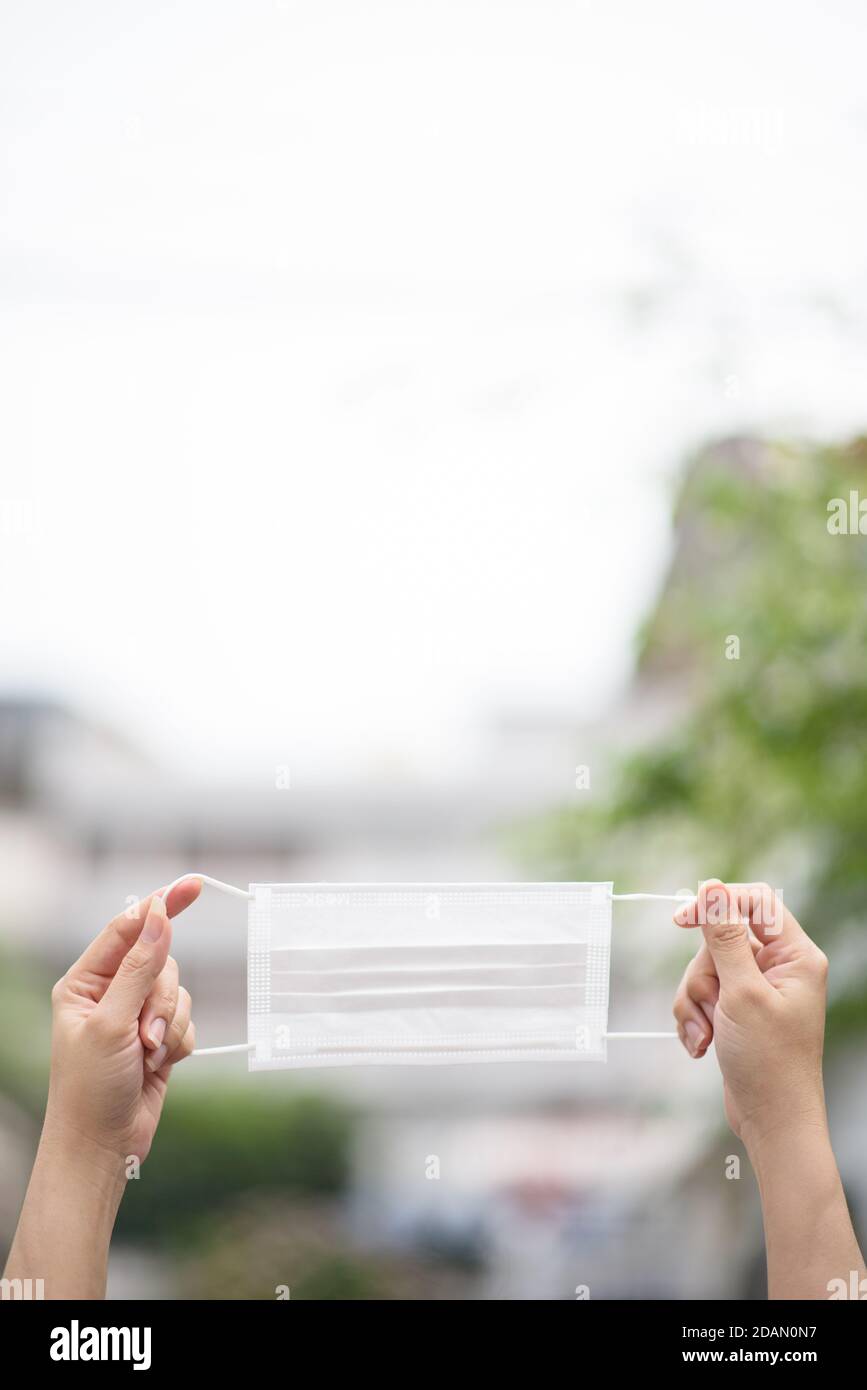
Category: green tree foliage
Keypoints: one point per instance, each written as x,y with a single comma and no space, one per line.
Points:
305,1250
216,1141
767,762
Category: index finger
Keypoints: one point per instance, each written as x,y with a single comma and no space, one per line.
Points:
768,916
762,909
107,950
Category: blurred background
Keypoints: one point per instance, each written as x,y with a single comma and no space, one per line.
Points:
418,429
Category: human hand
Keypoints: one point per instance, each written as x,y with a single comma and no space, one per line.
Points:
756,988
121,1021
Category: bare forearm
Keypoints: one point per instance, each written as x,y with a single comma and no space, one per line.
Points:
67,1219
808,1230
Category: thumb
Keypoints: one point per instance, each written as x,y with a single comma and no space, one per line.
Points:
728,938
139,968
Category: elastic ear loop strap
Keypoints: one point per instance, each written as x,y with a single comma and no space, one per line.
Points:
648,897
237,893
242,893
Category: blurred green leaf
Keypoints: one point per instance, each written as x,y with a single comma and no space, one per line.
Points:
769,762
217,1142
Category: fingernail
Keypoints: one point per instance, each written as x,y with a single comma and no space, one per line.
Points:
680,915
157,1031
154,1060
153,927
694,1037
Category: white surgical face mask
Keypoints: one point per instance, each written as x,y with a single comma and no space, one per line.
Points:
425,973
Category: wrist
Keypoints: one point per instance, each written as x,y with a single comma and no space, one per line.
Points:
808,1230
771,1135
68,1216
95,1171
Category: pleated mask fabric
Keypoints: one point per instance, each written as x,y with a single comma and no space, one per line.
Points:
415,974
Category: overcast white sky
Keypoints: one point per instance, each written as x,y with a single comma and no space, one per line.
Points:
348,350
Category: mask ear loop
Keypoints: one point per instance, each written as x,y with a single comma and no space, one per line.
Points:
237,893
648,897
